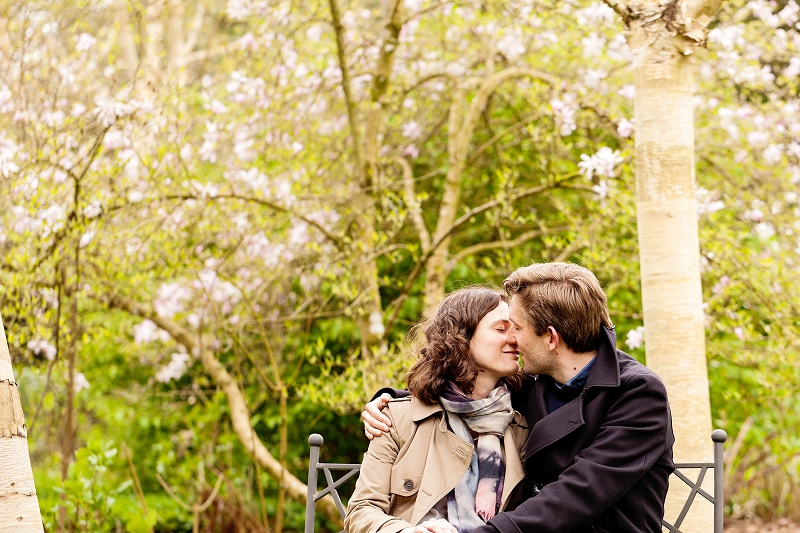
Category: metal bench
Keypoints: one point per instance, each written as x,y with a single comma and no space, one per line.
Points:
332,486
718,500
352,469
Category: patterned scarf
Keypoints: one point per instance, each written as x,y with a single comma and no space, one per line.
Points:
476,498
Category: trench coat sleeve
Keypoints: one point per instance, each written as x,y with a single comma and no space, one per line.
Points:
368,509
633,436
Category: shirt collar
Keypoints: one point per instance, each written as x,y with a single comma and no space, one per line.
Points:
579,380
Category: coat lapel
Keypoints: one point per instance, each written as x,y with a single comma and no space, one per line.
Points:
513,449
448,458
554,426
549,428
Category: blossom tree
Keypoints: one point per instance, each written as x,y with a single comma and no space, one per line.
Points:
252,203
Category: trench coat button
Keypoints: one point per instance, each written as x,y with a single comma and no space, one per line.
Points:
408,485
537,488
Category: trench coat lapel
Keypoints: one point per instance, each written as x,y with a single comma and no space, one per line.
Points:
514,470
447,460
448,457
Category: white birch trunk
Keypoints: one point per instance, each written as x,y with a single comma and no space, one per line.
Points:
19,506
662,37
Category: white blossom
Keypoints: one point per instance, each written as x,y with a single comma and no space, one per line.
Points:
593,45
773,154
42,347
707,201
625,127
602,163
764,230
80,383
86,238
635,338
564,113
174,369
376,326
239,9
170,299
597,14
601,189
412,130
147,331
108,110
84,41
755,214
92,210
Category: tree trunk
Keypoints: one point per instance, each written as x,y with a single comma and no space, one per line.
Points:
663,38
19,506
366,148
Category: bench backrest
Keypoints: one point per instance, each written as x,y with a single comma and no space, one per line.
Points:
332,485
718,499
352,469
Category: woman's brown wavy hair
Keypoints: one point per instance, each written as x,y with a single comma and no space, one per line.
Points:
442,341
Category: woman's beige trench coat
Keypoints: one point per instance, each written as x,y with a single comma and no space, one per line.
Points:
407,471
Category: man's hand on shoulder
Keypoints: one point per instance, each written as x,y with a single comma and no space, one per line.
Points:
375,422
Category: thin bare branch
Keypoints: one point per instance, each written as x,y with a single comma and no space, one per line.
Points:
413,204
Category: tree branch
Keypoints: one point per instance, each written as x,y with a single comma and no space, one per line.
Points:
413,204
347,89
493,245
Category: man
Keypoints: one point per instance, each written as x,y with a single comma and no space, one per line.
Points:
600,450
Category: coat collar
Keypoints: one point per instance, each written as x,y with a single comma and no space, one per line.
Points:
605,371
421,410
549,428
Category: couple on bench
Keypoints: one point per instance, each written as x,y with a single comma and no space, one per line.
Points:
578,440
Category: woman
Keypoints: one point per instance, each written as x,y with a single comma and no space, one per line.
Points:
453,451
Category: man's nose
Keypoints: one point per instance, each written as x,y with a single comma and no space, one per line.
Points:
510,337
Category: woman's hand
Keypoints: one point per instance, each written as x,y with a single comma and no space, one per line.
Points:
434,525
375,422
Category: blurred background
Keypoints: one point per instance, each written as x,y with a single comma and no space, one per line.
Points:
214,238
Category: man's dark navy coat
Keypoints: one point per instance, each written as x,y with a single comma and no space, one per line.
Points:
602,461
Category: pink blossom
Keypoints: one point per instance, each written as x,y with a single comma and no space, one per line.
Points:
175,369
42,347
412,130
84,42
593,45
248,41
170,299
739,332
411,151
625,127
80,383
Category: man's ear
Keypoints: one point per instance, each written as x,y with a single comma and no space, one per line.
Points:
555,338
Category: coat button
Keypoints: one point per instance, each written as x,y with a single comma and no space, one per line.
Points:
537,488
408,485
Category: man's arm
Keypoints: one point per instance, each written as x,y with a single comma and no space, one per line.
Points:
634,435
376,423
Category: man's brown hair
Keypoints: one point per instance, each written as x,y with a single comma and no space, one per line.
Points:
442,344
565,296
